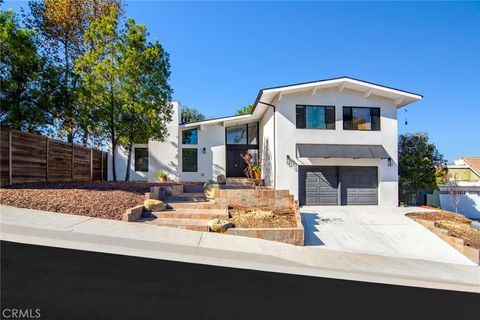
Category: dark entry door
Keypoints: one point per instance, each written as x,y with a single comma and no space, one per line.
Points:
359,185
235,163
318,185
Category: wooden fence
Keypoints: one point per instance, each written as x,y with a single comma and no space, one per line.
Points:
26,157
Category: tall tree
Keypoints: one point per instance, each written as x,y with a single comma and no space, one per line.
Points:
420,165
145,71
189,115
245,110
22,68
62,25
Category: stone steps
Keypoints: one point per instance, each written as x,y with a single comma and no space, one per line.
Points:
203,214
189,224
196,205
187,197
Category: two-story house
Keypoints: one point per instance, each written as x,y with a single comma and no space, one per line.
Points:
330,142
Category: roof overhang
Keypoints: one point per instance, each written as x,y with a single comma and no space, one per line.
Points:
352,151
399,97
221,121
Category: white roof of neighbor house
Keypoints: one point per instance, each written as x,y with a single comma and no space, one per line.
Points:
268,95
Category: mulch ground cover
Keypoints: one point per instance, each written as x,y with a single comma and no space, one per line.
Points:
458,225
95,199
256,218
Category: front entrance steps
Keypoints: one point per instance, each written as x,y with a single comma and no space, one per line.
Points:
239,183
193,214
189,224
187,197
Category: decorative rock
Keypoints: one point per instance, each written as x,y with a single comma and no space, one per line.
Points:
209,189
218,225
221,179
154,205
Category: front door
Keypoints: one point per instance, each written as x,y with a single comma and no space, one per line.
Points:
235,163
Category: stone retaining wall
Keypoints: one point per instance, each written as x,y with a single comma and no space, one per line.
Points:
293,235
257,198
459,244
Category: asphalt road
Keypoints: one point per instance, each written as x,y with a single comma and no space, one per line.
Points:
71,284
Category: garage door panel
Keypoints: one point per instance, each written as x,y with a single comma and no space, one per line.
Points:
318,185
359,185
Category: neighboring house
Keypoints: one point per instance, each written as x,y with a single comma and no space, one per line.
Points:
330,142
466,172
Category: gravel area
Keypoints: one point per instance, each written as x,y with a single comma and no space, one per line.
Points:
256,218
95,199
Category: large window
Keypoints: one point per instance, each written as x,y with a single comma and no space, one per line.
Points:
243,134
315,117
141,159
361,118
189,160
190,136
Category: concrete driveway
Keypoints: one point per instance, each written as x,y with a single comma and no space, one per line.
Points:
375,230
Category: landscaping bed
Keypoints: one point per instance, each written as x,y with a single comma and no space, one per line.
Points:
456,225
95,199
262,218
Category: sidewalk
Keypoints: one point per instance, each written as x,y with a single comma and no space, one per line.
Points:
142,240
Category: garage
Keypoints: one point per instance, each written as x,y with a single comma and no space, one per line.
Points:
333,185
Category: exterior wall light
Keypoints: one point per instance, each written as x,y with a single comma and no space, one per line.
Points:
288,159
204,150
390,162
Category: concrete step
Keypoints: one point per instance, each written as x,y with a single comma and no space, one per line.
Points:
204,214
195,205
189,224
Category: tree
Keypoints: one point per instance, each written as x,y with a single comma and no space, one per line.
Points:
22,69
190,115
145,70
61,24
245,110
420,165
453,189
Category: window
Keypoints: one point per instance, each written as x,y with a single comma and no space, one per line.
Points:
141,159
189,160
243,134
361,118
315,117
190,136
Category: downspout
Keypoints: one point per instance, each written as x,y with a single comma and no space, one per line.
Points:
274,144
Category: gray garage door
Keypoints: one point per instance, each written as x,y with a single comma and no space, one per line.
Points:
318,185
358,185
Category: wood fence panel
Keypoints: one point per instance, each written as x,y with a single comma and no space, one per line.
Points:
105,166
59,161
4,157
26,157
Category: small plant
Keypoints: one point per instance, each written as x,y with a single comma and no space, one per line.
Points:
162,176
257,171
256,168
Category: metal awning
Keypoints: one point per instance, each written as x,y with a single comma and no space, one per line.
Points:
354,151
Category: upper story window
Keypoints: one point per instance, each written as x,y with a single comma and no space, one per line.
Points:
141,159
315,117
361,118
190,136
243,134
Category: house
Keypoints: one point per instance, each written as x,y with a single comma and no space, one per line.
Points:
465,175
330,142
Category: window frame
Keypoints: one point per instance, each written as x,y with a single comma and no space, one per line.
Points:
247,135
183,160
371,122
333,125
193,129
135,159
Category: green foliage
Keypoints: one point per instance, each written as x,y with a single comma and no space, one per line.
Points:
256,168
24,77
190,115
161,174
245,110
420,165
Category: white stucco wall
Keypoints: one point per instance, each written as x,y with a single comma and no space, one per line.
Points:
468,206
266,146
288,136
121,165
212,162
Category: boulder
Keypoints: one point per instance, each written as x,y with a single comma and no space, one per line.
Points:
218,225
221,179
154,205
209,189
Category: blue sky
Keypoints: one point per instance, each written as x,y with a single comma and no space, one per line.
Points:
222,53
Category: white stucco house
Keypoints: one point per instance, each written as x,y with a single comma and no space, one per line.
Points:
330,142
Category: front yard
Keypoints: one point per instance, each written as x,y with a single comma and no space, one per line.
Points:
107,200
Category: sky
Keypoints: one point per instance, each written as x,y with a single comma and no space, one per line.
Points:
223,53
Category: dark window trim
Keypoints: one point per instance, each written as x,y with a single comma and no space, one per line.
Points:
255,146
183,168
357,107
191,144
135,159
319,106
